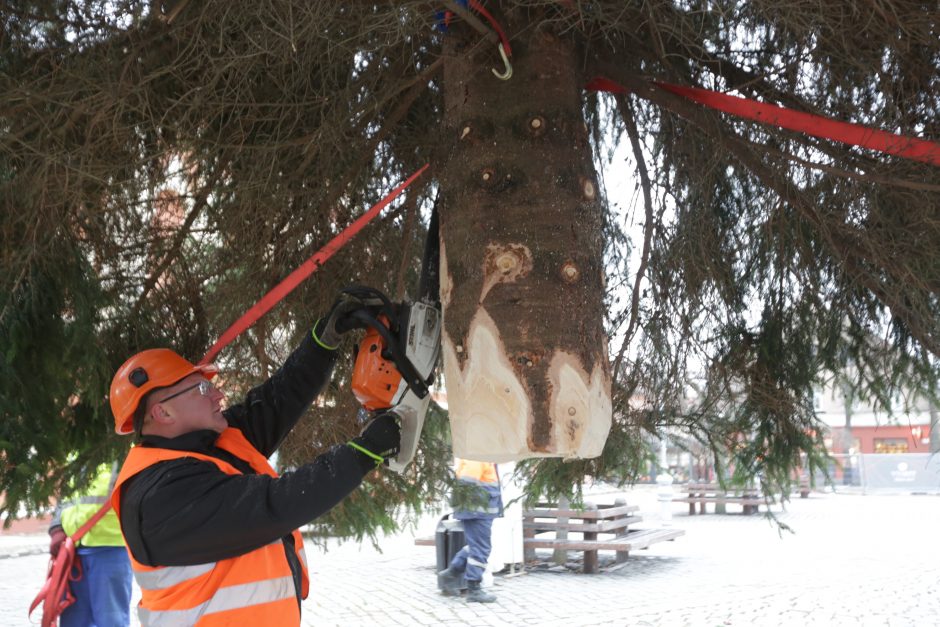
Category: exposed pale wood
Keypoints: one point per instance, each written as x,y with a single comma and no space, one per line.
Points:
490,408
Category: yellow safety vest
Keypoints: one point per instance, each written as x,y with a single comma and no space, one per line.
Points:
83,506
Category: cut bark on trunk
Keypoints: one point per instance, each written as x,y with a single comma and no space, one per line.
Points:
525,352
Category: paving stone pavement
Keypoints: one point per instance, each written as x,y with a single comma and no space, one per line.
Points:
850,560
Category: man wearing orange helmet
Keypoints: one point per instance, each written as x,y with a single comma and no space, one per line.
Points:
210,527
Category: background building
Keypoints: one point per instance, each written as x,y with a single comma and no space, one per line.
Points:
856,427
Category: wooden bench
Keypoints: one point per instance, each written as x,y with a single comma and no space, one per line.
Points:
702,493
589,523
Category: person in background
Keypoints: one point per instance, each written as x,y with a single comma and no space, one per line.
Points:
482,504
103,591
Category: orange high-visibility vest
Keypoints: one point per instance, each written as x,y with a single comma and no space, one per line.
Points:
256,588
478,472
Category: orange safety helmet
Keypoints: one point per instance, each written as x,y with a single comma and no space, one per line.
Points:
146,371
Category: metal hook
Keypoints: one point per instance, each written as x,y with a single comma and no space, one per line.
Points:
505,76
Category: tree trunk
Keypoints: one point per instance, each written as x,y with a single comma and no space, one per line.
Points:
525,352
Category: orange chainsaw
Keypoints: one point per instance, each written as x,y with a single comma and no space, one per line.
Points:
396,358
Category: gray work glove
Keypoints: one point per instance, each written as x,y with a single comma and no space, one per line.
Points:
328,331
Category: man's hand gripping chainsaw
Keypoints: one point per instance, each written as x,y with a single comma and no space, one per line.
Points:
395,361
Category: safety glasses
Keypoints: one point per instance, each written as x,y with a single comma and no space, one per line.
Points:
203,386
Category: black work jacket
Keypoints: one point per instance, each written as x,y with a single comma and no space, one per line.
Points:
187,511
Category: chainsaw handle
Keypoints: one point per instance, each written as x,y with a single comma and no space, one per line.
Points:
366,294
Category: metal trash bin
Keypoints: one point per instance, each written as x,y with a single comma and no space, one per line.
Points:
449,538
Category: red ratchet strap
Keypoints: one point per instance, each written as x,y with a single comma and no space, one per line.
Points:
55,594
476,6
816,125
307,268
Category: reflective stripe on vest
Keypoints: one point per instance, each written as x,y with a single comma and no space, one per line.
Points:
256,588
92,500
163,578
225,599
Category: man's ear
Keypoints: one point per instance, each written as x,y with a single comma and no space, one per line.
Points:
160,415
